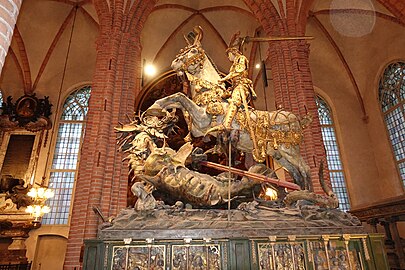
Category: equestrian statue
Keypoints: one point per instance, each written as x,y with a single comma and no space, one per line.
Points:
215,110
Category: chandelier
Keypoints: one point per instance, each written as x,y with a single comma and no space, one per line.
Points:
39,196
42,193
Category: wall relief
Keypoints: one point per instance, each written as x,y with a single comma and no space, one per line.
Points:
28,112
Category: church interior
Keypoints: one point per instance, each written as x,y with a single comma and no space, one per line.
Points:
76,69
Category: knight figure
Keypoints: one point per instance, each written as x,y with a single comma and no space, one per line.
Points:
242,87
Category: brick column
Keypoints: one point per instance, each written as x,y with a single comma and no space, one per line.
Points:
8,17
294,92
396,7
289,61
103,178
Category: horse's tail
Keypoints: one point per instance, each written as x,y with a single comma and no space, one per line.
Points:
326,188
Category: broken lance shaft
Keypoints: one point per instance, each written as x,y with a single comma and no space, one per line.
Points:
255,176
267,39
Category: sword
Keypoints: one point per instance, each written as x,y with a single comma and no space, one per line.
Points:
264,39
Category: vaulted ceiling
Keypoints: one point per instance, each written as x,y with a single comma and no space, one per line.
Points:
53,48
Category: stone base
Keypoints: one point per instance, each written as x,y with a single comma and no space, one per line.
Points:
250,220
251,237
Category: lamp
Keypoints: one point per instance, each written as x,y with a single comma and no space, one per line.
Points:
271,193
39,196
150,70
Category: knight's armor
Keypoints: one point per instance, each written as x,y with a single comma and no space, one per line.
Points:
241,88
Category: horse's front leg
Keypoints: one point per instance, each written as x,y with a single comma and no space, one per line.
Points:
292,155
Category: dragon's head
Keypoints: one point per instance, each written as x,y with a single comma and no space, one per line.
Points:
166,157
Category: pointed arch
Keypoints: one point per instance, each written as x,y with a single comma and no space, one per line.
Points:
391,93
63,169
336,171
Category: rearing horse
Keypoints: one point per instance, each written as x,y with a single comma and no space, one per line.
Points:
277,133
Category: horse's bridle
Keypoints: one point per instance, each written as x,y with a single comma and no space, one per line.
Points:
196,59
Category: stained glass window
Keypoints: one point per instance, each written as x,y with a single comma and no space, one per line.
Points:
392,101
335,166
64,165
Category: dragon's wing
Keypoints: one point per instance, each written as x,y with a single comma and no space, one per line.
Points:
181,155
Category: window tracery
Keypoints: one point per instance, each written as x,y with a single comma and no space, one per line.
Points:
392,102
64,165
335,166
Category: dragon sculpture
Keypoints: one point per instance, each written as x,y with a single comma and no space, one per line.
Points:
165,169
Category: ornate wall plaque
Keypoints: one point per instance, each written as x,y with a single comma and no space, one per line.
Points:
27,112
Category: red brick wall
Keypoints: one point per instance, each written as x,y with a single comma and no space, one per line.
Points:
396,7
102,178
8,13
291,73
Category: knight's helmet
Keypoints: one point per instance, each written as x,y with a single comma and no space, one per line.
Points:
194,37
236,44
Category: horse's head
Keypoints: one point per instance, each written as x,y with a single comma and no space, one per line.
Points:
192,57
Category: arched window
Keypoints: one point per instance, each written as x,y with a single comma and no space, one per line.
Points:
65,159
336,172
392,101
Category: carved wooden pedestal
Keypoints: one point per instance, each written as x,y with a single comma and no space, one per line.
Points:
294,252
